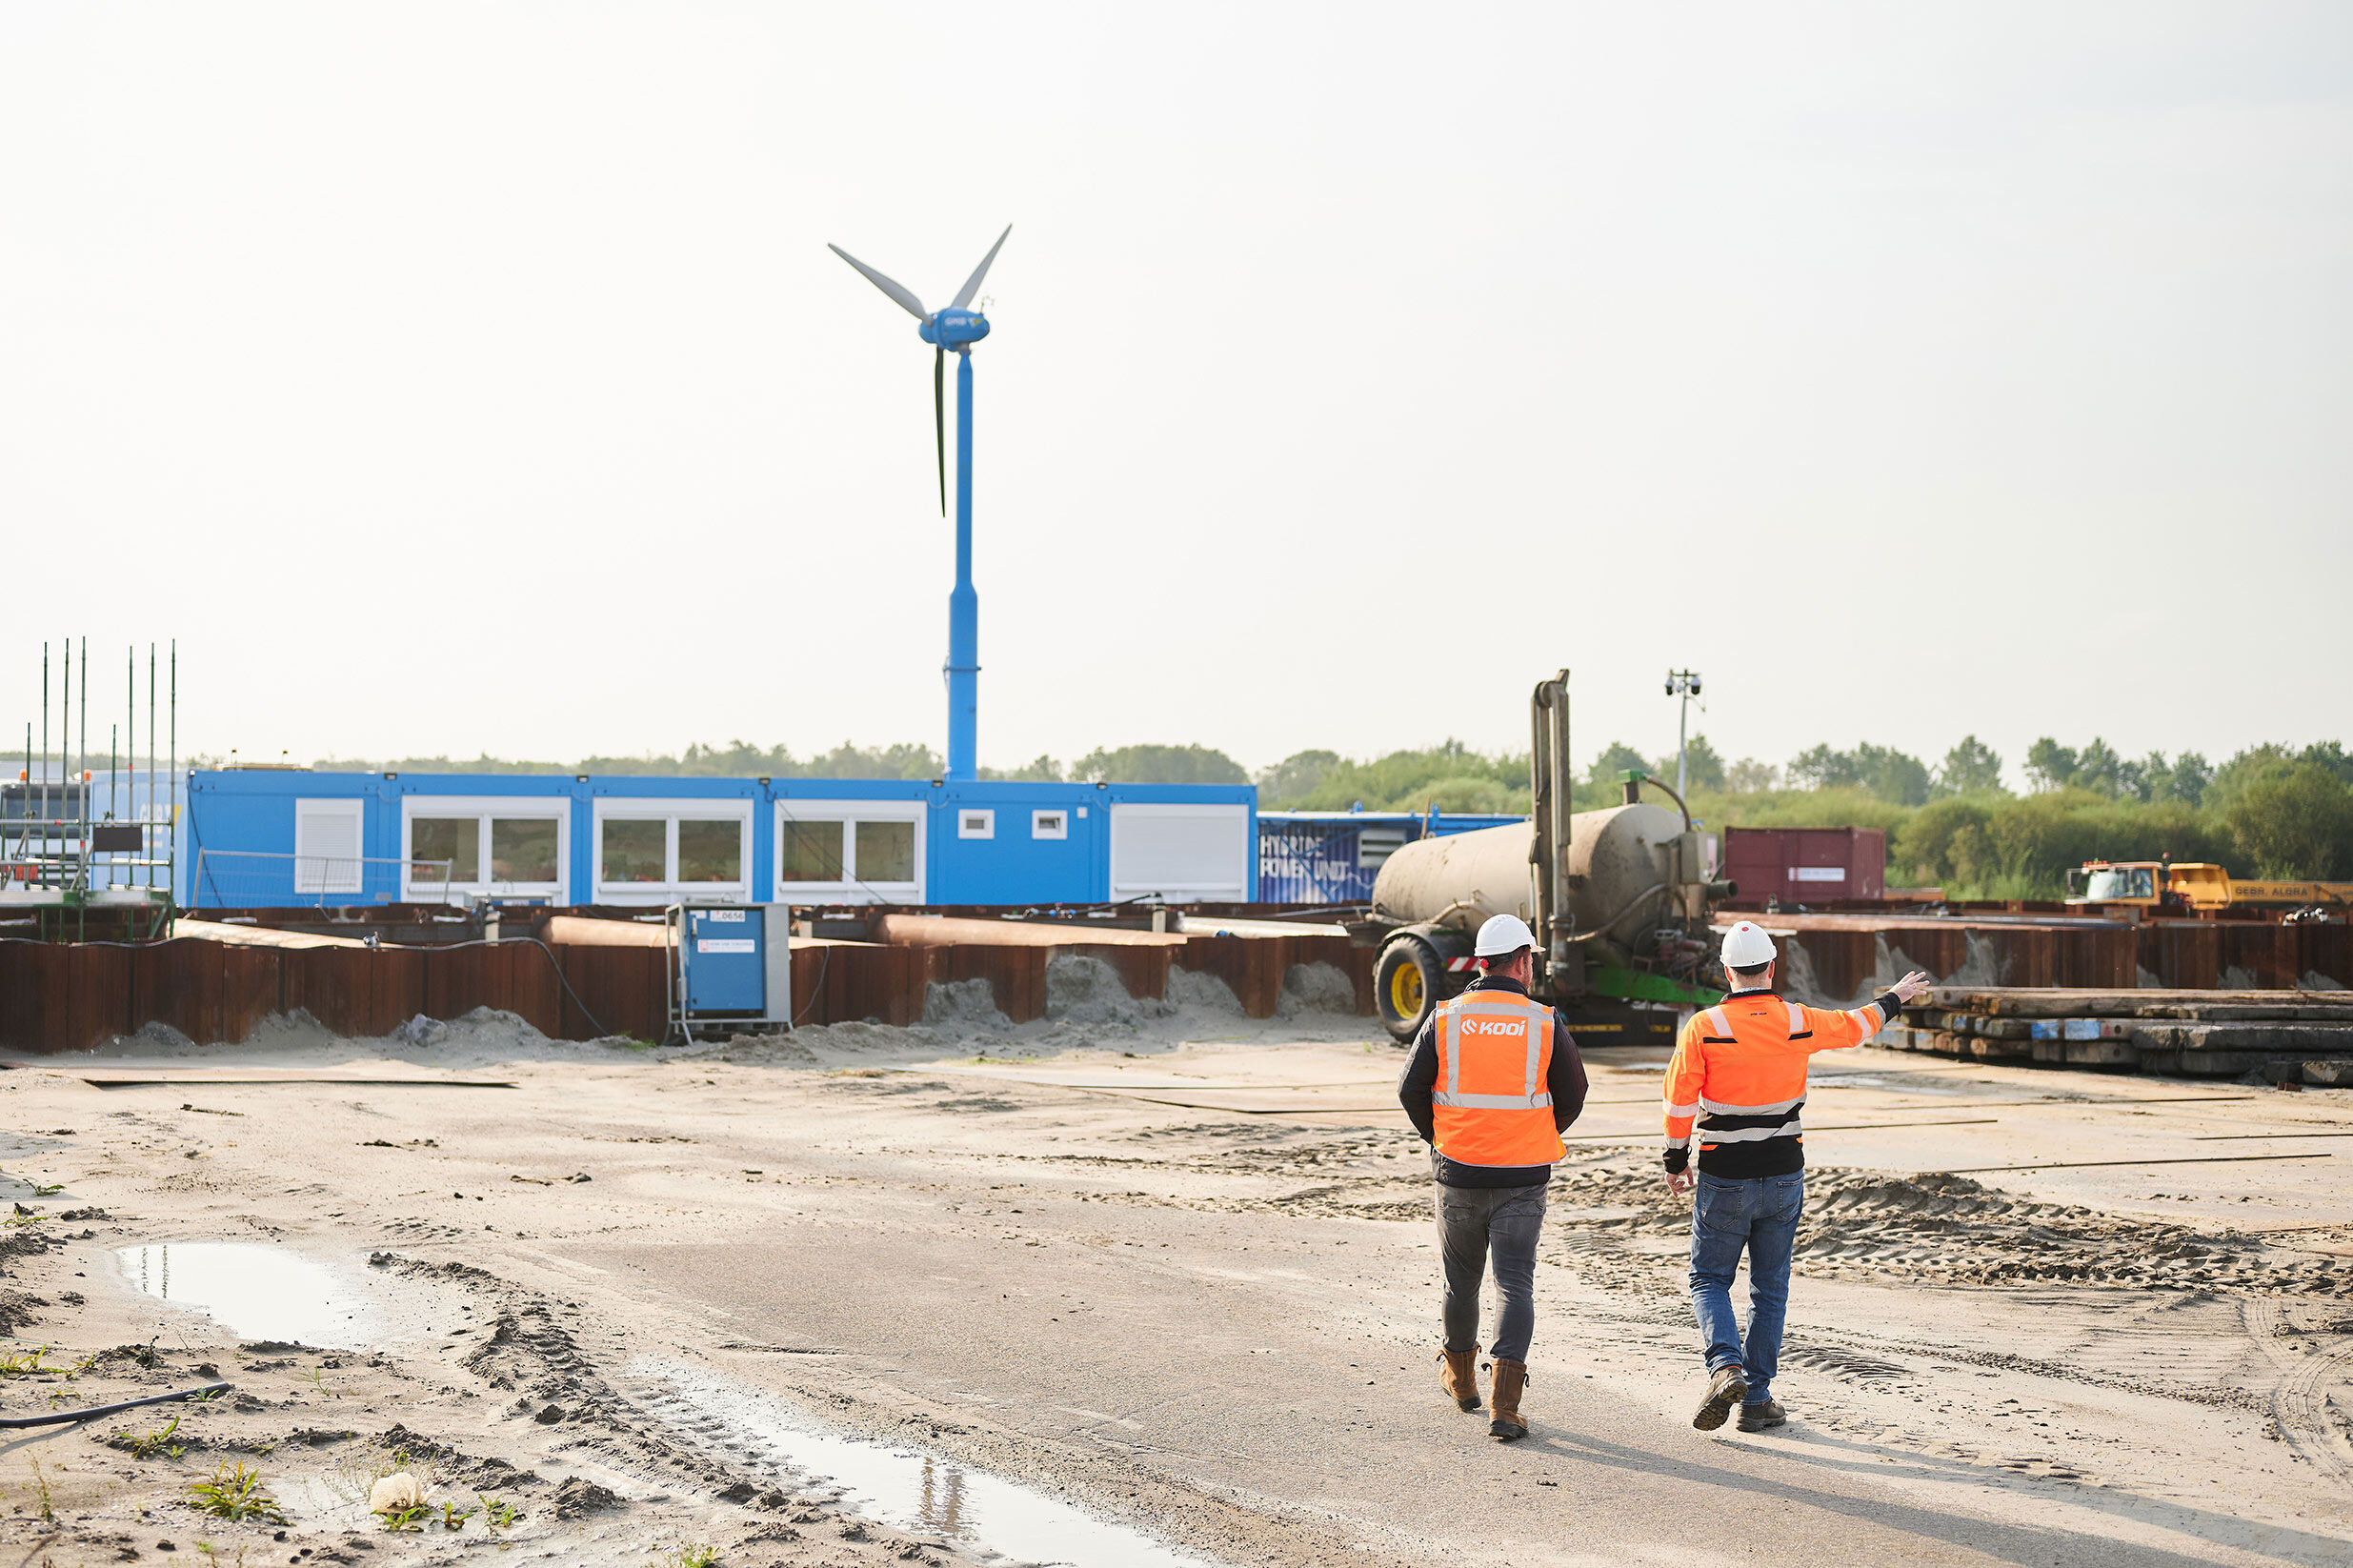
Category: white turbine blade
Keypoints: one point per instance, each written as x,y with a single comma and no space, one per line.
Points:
971,284
907,302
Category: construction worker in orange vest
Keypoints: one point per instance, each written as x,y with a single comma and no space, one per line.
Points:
1737,1083
1493,1080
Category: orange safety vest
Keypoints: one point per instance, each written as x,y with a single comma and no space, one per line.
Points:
1490,1105
1740,1068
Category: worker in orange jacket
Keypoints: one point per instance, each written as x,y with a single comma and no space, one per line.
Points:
1493,1080
1737,1083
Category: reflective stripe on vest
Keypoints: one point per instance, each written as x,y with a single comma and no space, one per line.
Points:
1465,1017
1490,1104
1722,1121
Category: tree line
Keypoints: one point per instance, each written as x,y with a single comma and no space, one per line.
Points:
2269,810
740,759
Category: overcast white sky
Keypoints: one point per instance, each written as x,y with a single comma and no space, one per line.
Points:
464,377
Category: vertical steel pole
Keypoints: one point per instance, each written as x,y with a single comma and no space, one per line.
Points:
81,810
45,746
1683,745
173,821
147,812
963,603
64,733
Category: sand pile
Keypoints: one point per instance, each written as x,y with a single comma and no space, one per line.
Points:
1315,988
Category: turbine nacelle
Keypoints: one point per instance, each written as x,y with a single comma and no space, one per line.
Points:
954,329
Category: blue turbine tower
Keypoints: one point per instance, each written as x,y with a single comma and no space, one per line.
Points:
957,328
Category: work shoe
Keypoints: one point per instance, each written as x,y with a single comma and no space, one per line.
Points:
1459,1377
1510,1378
1726,1388
1763,1417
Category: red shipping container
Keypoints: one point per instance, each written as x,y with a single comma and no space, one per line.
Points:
1807,865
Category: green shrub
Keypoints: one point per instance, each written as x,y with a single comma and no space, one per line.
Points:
2295,824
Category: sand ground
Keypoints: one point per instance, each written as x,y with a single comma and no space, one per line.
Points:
1178,1271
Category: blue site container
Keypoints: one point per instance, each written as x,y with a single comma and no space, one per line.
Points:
1333,857
269,838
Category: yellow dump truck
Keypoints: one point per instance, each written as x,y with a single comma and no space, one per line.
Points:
2193,885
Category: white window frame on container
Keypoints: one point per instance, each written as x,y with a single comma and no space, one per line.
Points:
483,809
976,822
1050,822
318,870
670,812
854,887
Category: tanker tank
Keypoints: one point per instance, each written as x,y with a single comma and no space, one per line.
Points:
1619,859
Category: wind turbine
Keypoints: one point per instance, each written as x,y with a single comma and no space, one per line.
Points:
957,328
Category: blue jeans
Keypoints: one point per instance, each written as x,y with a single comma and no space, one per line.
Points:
1759,1215
1473,1223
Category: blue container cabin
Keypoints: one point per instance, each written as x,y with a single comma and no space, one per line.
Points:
1331,857
269,838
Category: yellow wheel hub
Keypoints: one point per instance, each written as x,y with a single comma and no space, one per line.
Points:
1405,990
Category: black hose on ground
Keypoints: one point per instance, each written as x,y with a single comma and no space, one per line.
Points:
552,963
64,1417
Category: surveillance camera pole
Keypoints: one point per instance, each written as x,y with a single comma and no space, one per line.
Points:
1683,684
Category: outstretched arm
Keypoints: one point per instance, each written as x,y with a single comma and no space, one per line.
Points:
1842,1029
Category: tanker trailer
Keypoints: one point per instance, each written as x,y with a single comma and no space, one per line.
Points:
1619,899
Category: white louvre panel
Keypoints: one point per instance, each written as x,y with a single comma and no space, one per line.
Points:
1193,854
1374,845
327,845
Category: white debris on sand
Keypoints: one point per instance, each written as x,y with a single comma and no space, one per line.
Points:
395,1492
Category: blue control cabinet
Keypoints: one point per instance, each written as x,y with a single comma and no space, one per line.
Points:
731,967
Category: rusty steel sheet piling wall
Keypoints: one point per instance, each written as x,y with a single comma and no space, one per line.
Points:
58,996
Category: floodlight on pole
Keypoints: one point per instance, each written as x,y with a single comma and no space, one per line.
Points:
1683,684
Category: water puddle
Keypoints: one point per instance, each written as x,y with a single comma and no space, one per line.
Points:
923,1494
255,1290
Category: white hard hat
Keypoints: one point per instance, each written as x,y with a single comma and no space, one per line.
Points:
1502,934
1746,946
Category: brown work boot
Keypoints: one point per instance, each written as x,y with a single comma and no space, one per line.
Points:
1510,1378
1728,1387
1461,1376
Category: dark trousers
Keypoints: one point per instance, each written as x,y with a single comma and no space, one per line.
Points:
1477,1223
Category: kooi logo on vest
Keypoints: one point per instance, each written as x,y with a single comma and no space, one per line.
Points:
1494,1026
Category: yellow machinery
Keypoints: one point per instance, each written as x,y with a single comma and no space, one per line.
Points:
2192,885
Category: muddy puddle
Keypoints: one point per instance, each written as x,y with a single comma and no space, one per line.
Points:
253,1290
907,1488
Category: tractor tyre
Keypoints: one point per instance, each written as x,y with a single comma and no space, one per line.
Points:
1407,983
